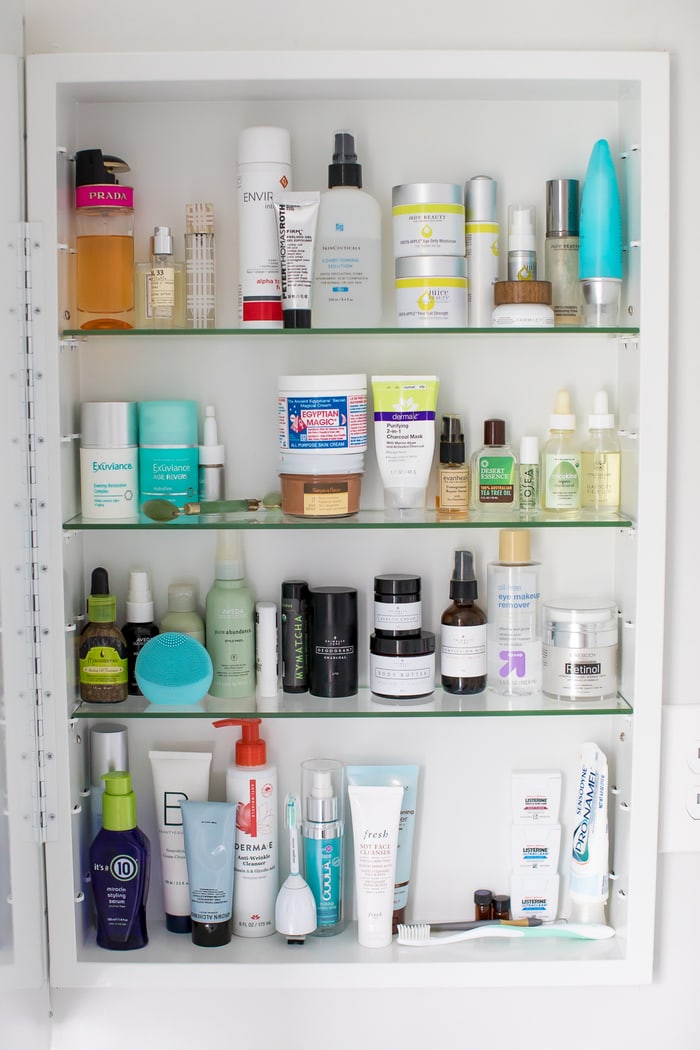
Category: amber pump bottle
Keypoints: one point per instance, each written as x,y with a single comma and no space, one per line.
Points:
463,632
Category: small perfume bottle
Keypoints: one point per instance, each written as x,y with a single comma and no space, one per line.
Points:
453,497
160,285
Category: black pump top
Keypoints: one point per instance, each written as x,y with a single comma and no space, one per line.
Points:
344,171
463,583
95,168
452,440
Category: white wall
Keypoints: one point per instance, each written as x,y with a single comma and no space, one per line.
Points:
664,1014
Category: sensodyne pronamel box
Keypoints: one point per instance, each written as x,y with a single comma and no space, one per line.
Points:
534,896
535,848
536,795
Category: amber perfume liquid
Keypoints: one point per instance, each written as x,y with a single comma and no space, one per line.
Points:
105,267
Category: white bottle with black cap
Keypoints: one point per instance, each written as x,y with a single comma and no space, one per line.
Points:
347,289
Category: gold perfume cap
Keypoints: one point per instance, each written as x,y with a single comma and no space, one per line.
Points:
514,546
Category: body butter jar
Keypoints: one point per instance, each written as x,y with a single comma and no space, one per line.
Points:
579,650
402,669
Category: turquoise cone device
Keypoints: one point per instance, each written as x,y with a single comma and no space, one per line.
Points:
173,668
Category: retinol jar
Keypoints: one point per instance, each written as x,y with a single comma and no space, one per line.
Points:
428,219
402,669
579,650
522,304
431,292
397,605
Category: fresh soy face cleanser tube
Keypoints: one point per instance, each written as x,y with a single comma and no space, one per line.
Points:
376,812
404,433
178,776
210,838
406,777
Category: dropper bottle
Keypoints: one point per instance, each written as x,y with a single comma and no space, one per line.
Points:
601,459
453,495
102,651
561,462
463,632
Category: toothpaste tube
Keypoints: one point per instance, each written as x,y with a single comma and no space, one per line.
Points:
588,879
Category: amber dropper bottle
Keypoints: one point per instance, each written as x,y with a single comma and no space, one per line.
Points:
463,632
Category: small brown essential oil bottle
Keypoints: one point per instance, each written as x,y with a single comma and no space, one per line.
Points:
482,904
500,906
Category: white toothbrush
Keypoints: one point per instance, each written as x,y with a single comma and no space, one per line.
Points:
419,936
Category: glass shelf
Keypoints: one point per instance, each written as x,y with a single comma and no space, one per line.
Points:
365,519
305,333
364,704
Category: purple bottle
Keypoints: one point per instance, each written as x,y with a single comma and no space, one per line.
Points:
120,863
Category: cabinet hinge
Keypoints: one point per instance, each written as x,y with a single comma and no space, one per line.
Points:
44,795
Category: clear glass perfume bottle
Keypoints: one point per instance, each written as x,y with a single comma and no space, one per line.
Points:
160,285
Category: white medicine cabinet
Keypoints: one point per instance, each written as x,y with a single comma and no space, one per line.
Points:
522,118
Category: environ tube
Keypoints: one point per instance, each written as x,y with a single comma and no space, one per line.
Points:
406,777
588,879
178,776
296,215
404,433
376,812
210,839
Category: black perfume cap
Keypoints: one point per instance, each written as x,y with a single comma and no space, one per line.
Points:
463,584
95,168
344,171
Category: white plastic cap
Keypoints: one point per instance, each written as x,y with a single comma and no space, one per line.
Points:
229,556
139,602
562,417
260,145
210,451
601,418
529,449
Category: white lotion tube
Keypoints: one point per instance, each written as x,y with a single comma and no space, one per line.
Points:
376,812
404,434
588,879
178,776
296,214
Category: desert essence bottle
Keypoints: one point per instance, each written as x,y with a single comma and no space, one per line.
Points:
120,868
230,622
600,459
463,632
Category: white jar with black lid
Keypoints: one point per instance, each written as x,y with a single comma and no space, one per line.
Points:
397,605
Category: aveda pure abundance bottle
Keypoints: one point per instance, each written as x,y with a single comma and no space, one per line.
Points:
105,242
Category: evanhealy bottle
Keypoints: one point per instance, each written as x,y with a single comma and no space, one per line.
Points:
322,833
102,651
453,495
182,614
600,459
139,627
251,786
494,471
463,633
230,623
105,242
561,461
514,633
120,869
347,271
160,285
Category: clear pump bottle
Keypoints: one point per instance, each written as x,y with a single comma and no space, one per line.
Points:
453,497
601,459
347,268
322,830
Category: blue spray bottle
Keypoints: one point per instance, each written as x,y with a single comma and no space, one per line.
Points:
322,833
120,868
600,241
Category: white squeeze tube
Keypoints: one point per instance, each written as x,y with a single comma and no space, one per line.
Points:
296,215
178,776
588,879
376,812
404,433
